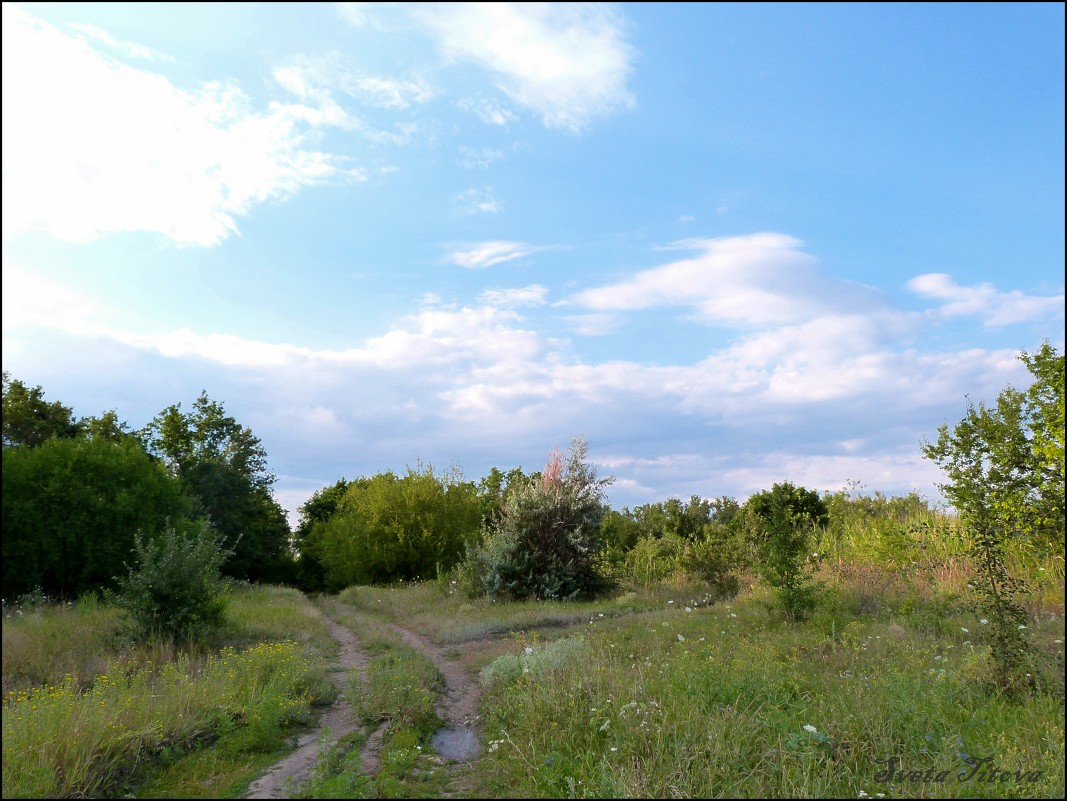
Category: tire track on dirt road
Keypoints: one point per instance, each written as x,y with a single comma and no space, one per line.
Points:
292,771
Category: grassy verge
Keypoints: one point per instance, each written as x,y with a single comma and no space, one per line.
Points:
149,712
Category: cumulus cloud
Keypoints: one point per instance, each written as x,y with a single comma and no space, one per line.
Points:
755,280
92,146
995,308
568,63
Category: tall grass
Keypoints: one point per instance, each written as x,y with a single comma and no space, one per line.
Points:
732,702
82,711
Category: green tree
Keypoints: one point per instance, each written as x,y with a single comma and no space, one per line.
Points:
316,510
389,528
223,467
28,419
71,508
1005,462
547,541
1005,465
784,520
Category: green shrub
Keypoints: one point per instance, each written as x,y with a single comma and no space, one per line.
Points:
783,521
547,540
175,590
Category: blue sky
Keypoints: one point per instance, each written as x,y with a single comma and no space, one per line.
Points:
728,244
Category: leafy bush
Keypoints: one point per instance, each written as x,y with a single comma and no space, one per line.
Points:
175,590
546,542
782,521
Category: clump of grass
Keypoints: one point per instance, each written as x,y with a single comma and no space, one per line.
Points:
534,661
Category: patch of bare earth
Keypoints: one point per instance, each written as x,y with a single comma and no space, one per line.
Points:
290,773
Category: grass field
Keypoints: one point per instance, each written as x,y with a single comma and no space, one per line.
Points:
883,691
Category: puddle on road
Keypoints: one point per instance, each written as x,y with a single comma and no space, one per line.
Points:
458,744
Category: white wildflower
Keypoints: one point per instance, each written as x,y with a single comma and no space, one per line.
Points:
809,728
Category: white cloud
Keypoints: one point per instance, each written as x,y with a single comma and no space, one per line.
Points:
128,49
92,146
993,307
475,256
755,280
532,295
318,77
568,63
819,402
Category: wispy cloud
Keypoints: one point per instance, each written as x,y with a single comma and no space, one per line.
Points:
567,63
127,49
478,255
477,201
488,110
532,295
319,77
480,158
995,308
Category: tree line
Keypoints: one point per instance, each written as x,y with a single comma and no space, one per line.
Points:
75,493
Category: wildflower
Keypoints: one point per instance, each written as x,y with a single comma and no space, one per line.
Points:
681,638
1021,626
529,650
984,622
809,728
863,795
733,614
965,630
613,748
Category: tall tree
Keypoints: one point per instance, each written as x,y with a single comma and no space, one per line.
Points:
223,466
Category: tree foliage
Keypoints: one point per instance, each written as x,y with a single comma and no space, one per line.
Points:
28,419
71,508
547,540
388,528
174,590
223,467
1005,462
782,521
